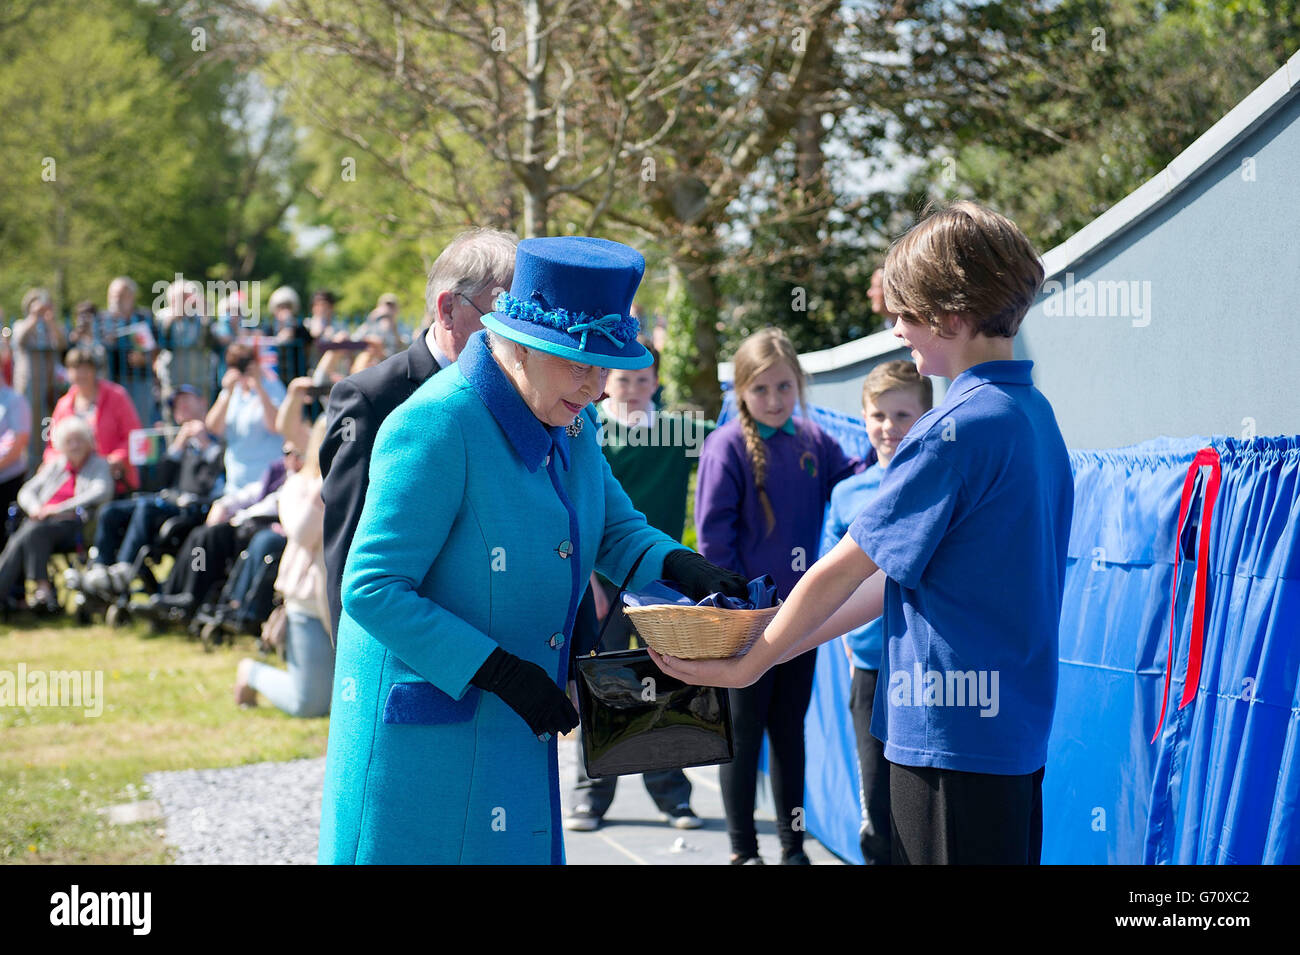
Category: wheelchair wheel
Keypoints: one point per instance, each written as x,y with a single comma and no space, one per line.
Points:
210,634
116,616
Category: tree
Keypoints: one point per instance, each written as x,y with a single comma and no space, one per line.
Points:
88,141
115,143
574,115
1053,111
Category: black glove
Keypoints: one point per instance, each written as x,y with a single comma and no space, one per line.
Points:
700,578
526,689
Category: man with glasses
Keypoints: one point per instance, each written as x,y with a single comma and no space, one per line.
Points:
463,283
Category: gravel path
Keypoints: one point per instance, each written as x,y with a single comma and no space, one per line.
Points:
269,814
261,814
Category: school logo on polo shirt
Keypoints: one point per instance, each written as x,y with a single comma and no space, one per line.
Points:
808,463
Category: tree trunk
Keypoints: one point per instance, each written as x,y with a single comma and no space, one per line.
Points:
690,361
60,250
535,176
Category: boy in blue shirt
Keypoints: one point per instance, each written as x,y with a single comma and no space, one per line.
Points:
969,531
894,397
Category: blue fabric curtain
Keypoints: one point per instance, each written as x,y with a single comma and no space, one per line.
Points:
1226,782
1222,782
1113,648
832,783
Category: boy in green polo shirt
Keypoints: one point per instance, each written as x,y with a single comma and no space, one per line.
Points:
651,453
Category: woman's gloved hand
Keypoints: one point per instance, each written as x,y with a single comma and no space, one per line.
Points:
529,691
699,578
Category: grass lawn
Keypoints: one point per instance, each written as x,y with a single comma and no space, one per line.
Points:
167,705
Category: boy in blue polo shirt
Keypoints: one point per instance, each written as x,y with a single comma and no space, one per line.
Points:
969,531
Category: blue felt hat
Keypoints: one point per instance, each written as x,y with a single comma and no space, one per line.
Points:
570,297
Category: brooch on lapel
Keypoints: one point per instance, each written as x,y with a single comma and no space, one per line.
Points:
574,428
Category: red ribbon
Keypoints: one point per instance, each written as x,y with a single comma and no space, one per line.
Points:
1206,457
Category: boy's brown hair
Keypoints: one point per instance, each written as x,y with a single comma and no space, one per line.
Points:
648,345
964,260
894,376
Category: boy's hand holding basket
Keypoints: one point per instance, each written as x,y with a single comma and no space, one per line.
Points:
714,628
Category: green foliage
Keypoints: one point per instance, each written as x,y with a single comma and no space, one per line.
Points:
820,303
678,361
91,149
1051,112
120,158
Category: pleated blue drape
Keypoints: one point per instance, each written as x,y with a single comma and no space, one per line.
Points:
1226,782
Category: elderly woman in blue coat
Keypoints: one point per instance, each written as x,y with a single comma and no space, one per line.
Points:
490,503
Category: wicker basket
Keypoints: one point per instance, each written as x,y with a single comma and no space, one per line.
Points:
699,633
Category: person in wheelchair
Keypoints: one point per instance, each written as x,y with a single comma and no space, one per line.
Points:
191,473
232,523
70,484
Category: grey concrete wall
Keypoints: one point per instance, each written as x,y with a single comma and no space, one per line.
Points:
1211,343
841,388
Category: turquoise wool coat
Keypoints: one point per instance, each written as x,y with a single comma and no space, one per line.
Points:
480,530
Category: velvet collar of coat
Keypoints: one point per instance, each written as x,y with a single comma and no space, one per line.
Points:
532,440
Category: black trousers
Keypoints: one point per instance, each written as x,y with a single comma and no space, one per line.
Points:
873,833
946,817
8,495
203,560
776,703
28,550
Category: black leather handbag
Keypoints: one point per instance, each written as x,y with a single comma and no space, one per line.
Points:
637,719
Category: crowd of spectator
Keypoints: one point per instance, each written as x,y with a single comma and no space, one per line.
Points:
129,436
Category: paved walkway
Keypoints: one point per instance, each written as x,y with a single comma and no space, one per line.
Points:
633,833
269,813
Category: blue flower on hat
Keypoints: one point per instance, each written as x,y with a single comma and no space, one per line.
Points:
619,329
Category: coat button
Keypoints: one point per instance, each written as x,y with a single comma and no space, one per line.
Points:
565,549
556,641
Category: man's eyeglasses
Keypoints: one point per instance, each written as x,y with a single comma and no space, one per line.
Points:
471,303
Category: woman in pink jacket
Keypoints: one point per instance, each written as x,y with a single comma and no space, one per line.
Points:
107,408
306,688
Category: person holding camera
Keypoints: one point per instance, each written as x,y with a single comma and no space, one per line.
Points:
244,416
293,418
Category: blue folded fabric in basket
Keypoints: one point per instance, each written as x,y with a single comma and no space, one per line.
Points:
762,595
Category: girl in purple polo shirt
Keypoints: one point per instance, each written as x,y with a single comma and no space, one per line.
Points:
764,481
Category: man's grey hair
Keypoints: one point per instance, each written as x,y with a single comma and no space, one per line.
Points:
474,262
127,281
69,426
